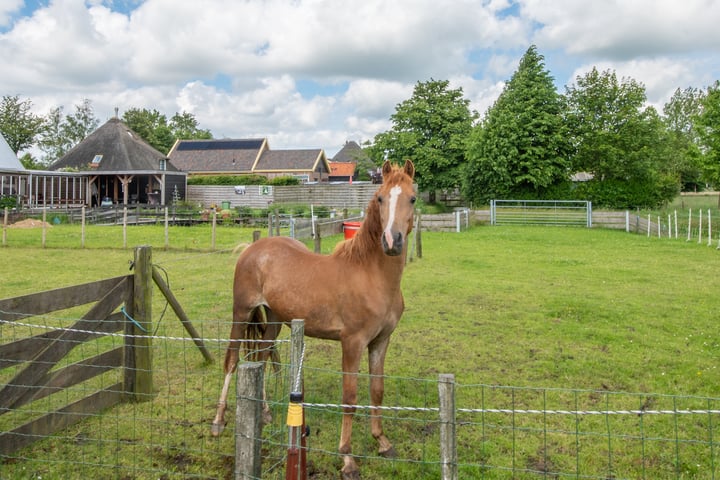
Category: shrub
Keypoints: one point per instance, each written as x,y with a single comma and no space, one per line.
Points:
227,180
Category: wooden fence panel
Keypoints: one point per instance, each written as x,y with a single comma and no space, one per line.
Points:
37,357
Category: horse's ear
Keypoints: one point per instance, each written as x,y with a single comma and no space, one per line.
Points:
409,168
386,168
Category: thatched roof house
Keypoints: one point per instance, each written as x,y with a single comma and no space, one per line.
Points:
123,168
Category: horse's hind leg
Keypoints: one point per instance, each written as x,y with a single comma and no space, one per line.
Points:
231,360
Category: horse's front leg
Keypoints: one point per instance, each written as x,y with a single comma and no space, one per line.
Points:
351,354
376,361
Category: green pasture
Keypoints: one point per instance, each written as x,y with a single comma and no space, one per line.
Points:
524,317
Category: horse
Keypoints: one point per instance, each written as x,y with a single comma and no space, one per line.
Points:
352,296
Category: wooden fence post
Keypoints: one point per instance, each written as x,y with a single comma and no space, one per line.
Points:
418,236
248,418
44,226
4,228
138,353
296,468
214,225
317,242
256,235
448,442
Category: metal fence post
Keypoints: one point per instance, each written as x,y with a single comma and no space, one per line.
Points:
248,421
448,438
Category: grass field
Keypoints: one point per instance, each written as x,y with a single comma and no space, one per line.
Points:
562,316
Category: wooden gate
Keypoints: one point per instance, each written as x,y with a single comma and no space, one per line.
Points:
120,304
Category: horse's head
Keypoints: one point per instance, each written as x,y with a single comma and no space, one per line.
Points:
396,202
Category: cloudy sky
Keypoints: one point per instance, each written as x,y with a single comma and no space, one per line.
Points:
316,73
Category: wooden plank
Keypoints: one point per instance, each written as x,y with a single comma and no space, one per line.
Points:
72,375
17,308
46,359
53,422
25,349
184,319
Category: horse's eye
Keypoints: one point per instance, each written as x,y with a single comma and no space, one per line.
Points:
412,199
380,200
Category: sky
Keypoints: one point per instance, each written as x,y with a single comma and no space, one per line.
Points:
317,73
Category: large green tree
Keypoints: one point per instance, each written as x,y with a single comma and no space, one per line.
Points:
61,132
18,124
155,129
679,116
430,129
708,126
520,148
620,141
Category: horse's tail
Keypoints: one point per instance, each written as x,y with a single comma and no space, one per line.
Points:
239,248
257,349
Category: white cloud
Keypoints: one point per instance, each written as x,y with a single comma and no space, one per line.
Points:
7,9
248,68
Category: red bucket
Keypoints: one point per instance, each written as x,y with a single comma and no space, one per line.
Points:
350,229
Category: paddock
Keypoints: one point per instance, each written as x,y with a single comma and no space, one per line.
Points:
506,425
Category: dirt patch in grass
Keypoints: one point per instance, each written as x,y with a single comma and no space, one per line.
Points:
30,223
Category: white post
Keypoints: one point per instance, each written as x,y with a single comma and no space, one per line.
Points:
457,221
648,225
312,220
669,226
627,220
700,227
689,223
659,229
676,225
709,229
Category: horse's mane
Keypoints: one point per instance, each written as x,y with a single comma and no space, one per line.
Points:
366,240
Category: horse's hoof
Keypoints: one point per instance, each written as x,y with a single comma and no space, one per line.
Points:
353,475
389,453
217,429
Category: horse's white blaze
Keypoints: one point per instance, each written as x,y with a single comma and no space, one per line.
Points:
394,194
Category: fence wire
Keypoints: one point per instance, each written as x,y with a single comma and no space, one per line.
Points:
502,431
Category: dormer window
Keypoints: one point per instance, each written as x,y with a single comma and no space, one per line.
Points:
96,161
163,165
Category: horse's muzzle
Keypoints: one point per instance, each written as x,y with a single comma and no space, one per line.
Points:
393,245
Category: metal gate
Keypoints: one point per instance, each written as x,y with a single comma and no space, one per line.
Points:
541,212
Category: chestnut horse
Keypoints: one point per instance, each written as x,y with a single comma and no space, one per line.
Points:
352,296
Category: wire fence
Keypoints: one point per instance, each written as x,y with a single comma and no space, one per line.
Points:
501,431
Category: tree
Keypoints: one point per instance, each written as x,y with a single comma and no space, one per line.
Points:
155,129
430,129
61,133
520,147
619,141
679,115
708,127
184,126
18,124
